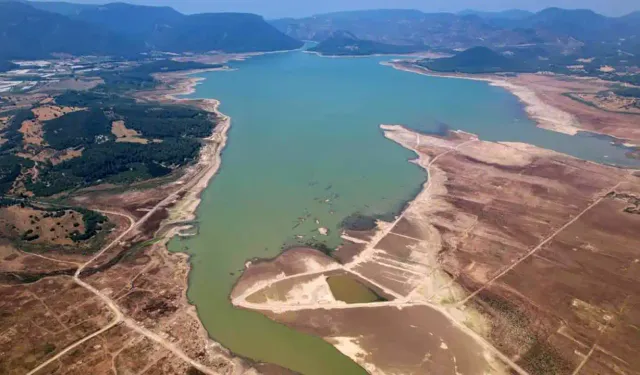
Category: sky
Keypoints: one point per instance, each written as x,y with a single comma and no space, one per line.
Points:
302,8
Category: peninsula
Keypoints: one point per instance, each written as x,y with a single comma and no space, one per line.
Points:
504,289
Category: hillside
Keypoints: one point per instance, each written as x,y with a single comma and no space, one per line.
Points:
511,14
126,30
163,28
476,60
229,32
61,7
130,19
346,44
581,24
28,33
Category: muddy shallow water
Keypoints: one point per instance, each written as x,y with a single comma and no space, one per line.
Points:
347,289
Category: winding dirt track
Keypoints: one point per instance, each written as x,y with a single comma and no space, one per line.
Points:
50,259
119,316
212,166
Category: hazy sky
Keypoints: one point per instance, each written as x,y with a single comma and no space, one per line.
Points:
300,8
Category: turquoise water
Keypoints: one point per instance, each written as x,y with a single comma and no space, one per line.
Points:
305,145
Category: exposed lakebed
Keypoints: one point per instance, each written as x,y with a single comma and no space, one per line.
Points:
305,151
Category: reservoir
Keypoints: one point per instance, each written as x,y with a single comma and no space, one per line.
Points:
305,151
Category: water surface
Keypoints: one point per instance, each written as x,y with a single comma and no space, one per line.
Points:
304,146
347,289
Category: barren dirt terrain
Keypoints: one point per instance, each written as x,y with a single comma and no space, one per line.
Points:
124,134
512,259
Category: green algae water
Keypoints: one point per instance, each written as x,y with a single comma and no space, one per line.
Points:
305,145
347,289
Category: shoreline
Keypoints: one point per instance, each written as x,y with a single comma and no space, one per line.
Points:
187,205
456,316
202,174
210,158
545,115
462,317
184,209
425,54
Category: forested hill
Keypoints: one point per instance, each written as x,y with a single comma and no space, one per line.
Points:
536,59
119,29
101,135
477,60
346,44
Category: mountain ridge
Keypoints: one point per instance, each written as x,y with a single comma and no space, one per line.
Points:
344,43
467,28
27,32
125,30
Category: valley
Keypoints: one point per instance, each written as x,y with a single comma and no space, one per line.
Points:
205,193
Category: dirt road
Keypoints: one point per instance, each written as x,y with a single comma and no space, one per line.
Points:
210,167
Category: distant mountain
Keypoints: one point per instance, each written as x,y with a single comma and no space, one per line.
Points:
26,32
631,17
7,65
163,28
403,27
581,24
379,25
552,26
123,30
229,32
60,7
131,19
476,60
511,14
343,43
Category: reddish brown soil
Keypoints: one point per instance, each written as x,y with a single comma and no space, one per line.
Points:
35,326
347,251
408,340
580,283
